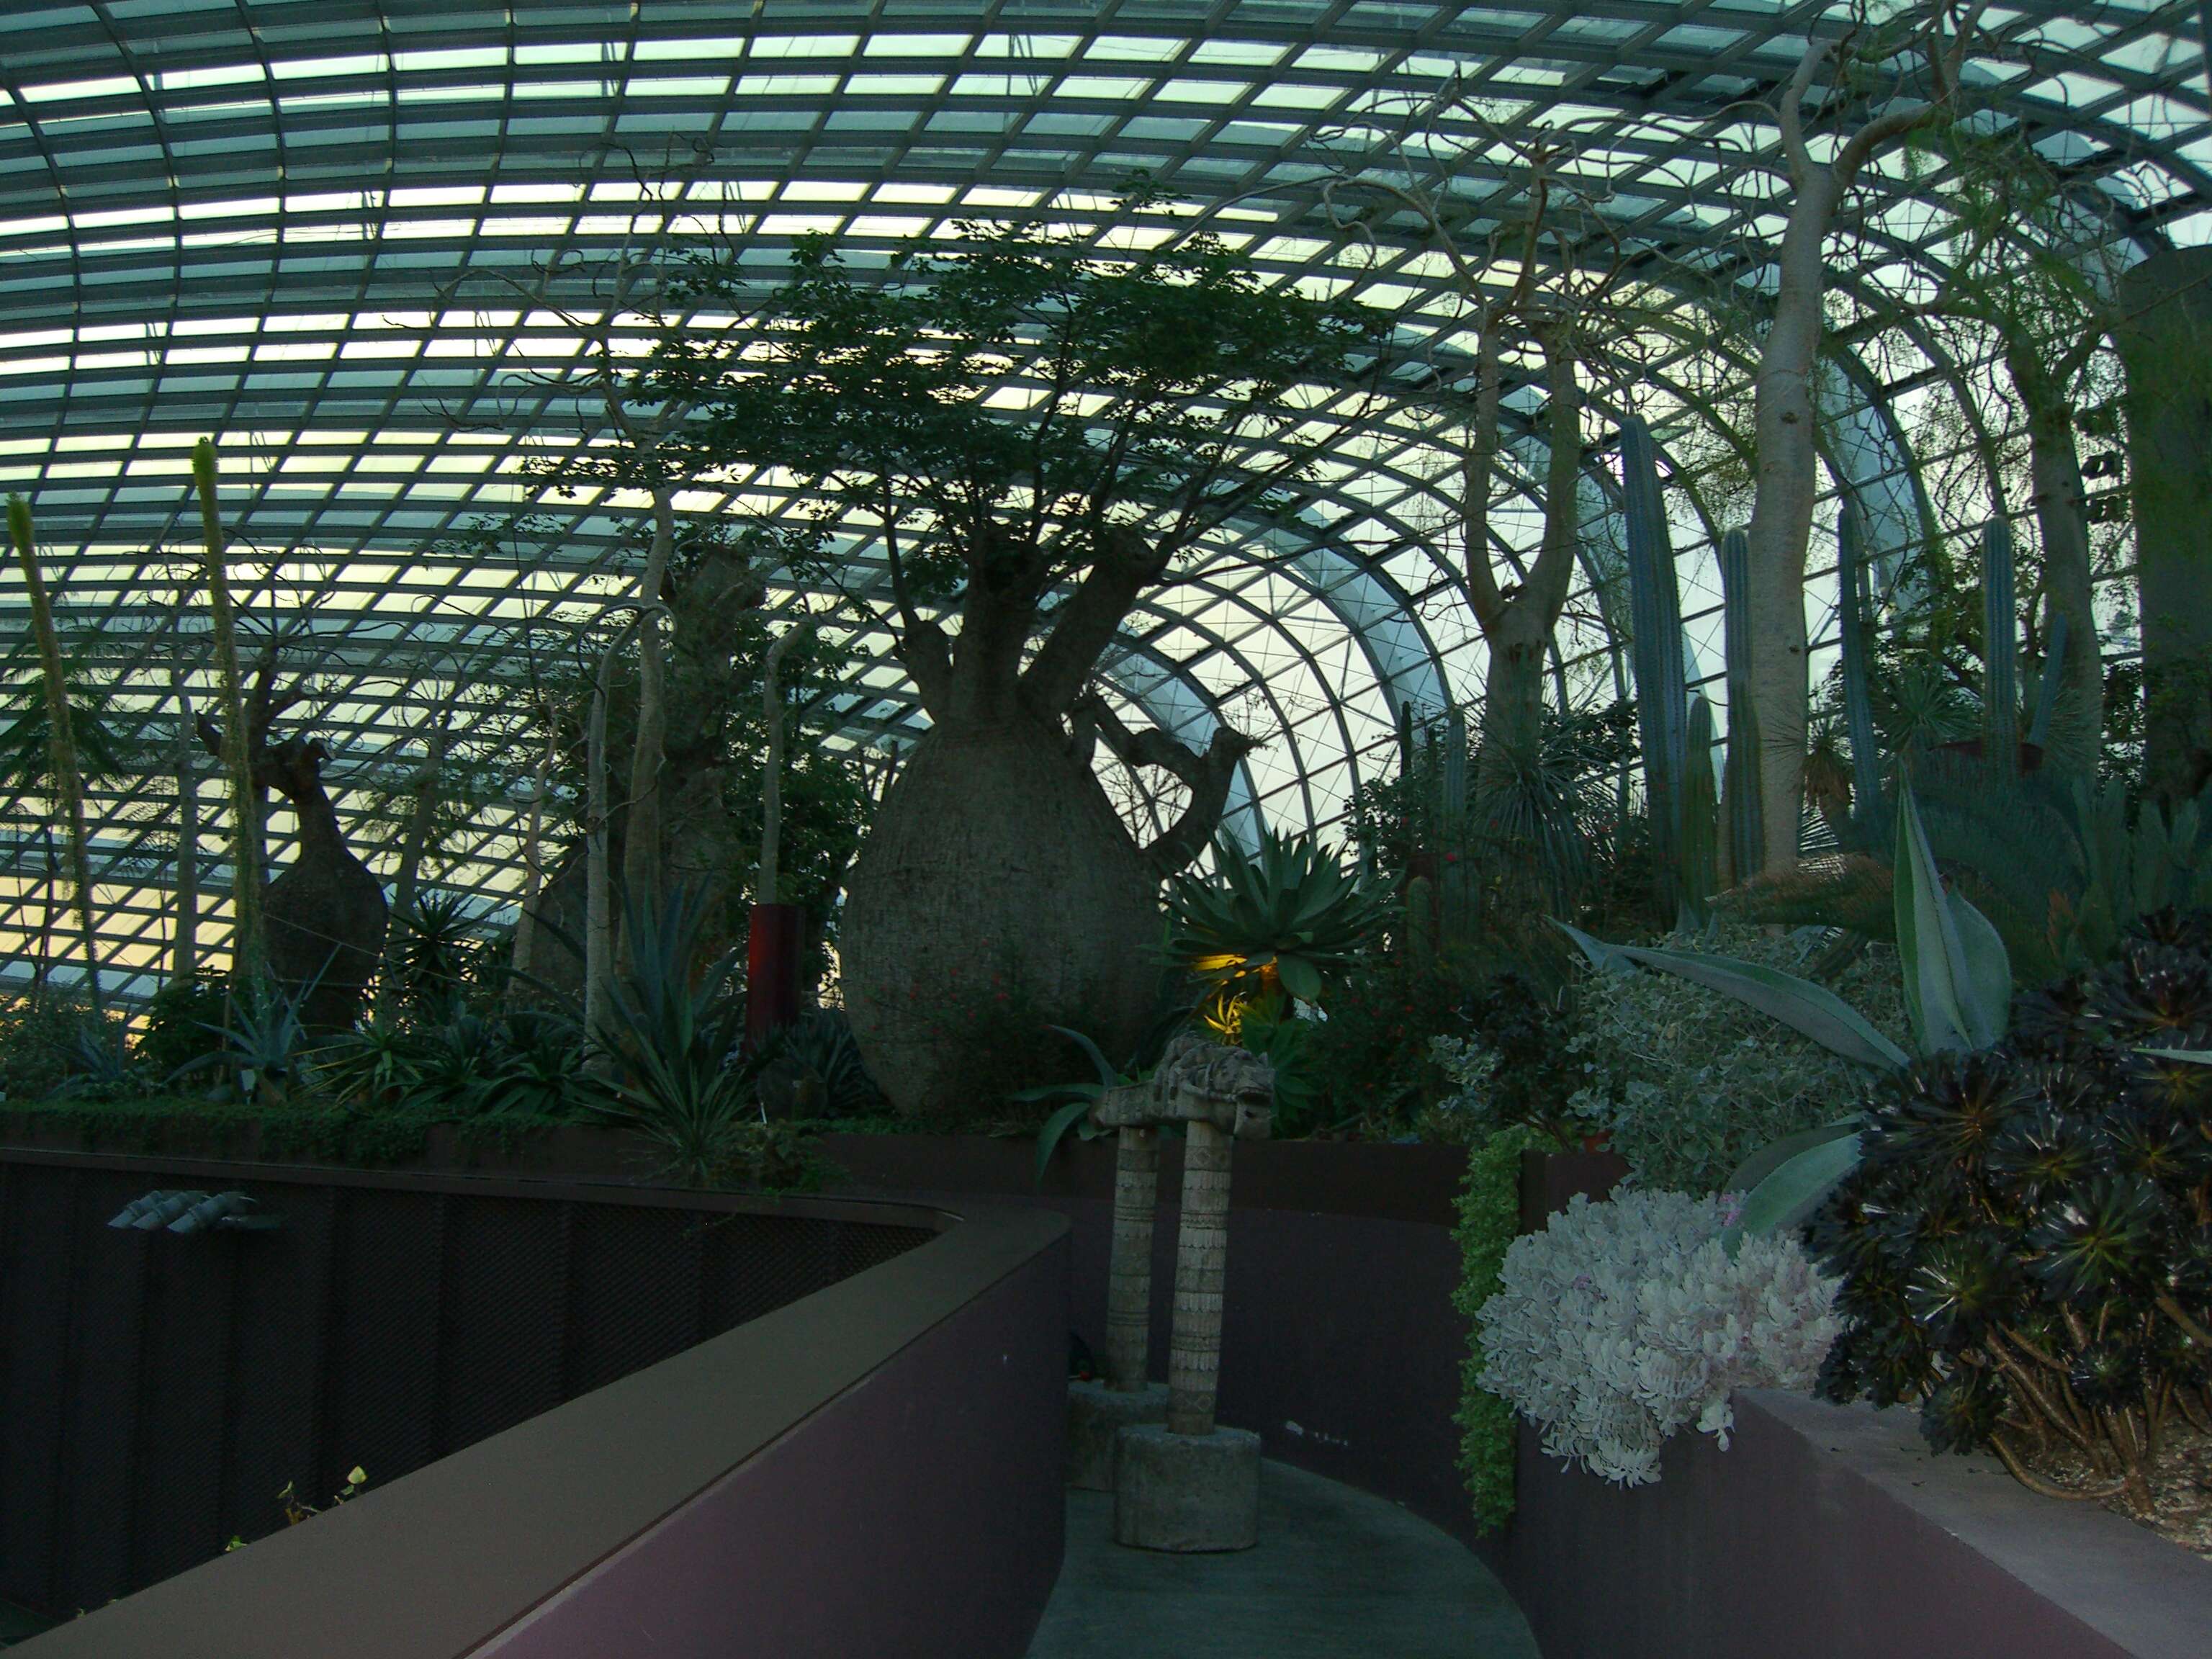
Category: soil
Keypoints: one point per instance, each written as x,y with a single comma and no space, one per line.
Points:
2181,1487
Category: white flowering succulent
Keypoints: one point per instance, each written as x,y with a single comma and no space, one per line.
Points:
1625,1321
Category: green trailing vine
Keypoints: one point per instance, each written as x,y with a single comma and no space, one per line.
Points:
1489,1218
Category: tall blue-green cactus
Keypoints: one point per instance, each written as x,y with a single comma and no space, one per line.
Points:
1747,837
1657,618
2046,691
1441,905
1858,695
1701,813
2000,649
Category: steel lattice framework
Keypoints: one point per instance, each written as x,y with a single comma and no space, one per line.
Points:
306,228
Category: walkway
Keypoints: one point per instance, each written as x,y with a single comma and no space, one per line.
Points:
1336,1572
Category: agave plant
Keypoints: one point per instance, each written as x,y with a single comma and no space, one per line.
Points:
681,1077
1281,920
2057,866
378,1064
264,1041
439,949
1958,993
822,1067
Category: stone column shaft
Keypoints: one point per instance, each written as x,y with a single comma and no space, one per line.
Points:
1129,1270
1201,1263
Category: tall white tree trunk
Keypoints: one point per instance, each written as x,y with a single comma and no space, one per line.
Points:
642,863
533,855
1783,419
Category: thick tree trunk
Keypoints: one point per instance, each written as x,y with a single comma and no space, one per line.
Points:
1782,515
2165,338
1518,630
994,852
1201,1271
326,919
1129,1268
2077,721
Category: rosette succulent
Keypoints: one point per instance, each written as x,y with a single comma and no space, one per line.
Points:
1280,919
2026,1245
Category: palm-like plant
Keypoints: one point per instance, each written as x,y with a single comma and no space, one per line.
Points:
1279,920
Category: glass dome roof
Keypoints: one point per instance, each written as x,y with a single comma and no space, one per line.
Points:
320,231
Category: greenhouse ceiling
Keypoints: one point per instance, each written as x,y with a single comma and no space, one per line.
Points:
363,246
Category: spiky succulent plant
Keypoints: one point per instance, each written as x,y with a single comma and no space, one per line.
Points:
1288,915
2026,1246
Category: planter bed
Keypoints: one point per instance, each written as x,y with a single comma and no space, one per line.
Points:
1832,1531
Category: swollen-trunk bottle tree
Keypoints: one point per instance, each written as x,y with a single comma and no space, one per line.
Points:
1014,543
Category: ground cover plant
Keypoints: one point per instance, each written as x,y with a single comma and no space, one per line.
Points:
1687,1085
1627,1321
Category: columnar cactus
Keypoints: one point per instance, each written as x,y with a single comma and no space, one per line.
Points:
1656,612
1858,699
1747,838
2000,648
1700,836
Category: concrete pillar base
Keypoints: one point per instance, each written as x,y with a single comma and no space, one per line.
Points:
1095,1413
1185,1493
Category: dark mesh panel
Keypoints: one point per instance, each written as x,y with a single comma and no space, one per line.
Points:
634,1285
159,1391
506,1288
37,1233
380,1378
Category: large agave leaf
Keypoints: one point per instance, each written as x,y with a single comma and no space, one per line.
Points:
1771,1157
1787,1197
1958,979
1810,1010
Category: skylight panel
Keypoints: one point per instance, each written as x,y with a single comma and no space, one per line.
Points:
915,45
1026,45
107,86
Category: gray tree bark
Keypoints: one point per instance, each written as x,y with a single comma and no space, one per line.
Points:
1783,422
1518,628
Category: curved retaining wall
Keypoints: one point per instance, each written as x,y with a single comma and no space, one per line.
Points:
873,1468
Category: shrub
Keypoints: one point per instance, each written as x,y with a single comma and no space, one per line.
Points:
1688,1084
1623,1321
2027,1243
1370,1053
42,1040
181,1021
1513,1068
